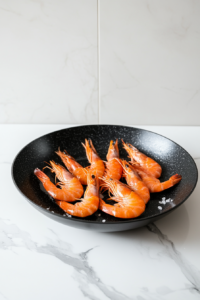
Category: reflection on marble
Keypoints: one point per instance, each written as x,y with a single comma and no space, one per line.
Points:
149,62
48,60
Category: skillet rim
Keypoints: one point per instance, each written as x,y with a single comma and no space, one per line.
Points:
122,221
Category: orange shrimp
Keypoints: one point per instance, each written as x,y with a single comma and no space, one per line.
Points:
90,202
97,165
148,164
113,166
129,205
74,167
135,182
153,183
70,187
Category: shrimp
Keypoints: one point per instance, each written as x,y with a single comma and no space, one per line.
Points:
153,183
97,165
74,167
135,182
149,165
90,202
129,205
113,166
70,187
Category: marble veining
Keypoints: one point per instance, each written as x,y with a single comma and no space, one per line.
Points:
149,62
153,262
84,274
51,76
58,66
190,271
11,236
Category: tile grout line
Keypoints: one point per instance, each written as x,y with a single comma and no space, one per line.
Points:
98,56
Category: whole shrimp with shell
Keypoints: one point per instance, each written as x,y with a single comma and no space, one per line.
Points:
70,187
73,166
89,204
97,166
135,182
113,165
149,165
154,185
129,204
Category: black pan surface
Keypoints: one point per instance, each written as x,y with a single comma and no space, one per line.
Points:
172,157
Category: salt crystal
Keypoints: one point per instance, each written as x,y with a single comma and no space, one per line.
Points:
162,202
53,212
99,215
48,208
103,221
168,200
160,207
163,198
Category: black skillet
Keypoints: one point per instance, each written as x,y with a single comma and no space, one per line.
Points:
172,157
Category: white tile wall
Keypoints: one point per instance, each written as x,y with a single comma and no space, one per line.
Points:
48,61
149,63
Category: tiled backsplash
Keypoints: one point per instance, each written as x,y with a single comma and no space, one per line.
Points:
107,61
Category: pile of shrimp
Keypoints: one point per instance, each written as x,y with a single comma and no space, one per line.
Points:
141,174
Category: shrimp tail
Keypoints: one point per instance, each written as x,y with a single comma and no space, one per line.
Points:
41,175
91,152
175,178
88,150
92,147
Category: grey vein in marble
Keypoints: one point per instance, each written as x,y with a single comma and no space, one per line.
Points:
3,296
190,272
11,236
10,11
193,96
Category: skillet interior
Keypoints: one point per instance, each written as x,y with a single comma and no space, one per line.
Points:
172,157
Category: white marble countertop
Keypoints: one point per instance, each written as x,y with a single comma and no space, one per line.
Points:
43,259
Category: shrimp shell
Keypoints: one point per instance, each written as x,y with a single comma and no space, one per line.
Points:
149,165
97,167
113,166
135,182
129,205
154,184
70,187
73,166
89,203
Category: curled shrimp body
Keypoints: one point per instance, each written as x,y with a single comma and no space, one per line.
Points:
113,166
73,166
97,167
135,182
149,165
129,205
153,183
70,187
89,203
